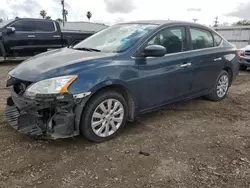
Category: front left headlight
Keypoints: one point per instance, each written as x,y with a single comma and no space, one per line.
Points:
50,86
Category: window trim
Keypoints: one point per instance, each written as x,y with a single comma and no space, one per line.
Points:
133,56
213,34
137,51
55,28
199,28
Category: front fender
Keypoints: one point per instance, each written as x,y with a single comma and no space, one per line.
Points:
107,83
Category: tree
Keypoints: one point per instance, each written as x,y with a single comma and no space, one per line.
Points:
48,18
1,19
59,20
225,24
43,14
242,22
89,15
65,14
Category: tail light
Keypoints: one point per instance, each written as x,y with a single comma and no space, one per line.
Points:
239,53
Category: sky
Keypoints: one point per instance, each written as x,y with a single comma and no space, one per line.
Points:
116,11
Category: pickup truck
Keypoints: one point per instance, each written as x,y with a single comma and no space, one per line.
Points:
28,36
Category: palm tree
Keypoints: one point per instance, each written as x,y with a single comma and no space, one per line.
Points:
89,15
65,14
43,14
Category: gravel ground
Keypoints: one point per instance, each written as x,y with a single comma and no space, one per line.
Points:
192,144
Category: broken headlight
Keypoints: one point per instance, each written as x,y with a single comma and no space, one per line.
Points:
50,86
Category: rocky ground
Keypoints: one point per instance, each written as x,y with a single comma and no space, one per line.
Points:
192,144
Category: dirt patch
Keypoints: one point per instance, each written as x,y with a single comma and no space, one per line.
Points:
196,143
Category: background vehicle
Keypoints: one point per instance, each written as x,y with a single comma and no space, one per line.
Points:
116,75
25,37
244,57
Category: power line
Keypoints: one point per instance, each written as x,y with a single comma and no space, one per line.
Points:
216,21
63,12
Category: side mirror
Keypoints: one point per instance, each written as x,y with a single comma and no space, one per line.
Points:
155,51
10,30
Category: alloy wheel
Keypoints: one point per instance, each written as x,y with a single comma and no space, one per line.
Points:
222,86
107,117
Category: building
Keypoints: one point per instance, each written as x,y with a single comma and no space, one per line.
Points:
88,27
238,35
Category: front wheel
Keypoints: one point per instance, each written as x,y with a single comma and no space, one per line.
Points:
219,91
105,114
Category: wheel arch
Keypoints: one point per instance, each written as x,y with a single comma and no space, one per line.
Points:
230,72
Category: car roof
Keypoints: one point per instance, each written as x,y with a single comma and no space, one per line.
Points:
165,22
156,22
33,19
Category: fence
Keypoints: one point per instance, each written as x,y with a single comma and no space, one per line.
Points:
238,35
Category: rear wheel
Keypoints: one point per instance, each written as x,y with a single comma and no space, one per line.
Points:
243,67
104,116
2,51
219,91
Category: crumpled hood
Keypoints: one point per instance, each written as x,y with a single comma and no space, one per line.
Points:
59,62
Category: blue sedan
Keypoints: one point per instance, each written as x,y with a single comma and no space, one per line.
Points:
96,86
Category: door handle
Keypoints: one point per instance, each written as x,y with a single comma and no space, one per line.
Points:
56,36
218,59
31,36
185,65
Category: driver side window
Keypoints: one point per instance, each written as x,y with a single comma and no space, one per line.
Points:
173,39
25,26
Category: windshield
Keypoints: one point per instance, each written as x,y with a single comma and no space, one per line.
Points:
116,38
4,23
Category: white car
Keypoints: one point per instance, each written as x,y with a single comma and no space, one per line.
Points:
244,57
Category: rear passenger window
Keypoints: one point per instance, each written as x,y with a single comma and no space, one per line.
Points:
173,39
43,26
201,38
217,40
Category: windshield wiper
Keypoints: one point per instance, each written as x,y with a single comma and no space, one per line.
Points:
88,49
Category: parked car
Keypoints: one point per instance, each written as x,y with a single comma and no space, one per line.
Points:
117,74
244,57
26,37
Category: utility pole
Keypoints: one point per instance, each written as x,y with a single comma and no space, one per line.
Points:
216,21
195,20
63,11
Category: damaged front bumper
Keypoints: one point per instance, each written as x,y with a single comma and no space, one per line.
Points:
45,116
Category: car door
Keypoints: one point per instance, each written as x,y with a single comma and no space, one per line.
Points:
168,78
47,35
23,39
206,59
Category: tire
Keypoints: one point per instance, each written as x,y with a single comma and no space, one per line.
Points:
243,67
2,51
214,95
99,134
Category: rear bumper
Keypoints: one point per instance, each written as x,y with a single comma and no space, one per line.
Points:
49,117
